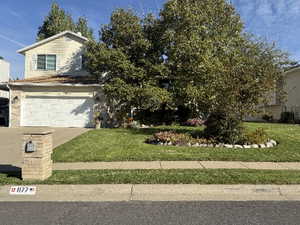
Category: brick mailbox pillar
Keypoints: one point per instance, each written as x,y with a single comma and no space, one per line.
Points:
37,150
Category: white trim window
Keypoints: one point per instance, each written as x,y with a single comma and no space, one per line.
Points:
46,62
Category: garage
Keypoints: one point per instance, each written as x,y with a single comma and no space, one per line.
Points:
57,111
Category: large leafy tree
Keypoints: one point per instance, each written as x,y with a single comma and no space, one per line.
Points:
129,62
199,51
58,20
216,67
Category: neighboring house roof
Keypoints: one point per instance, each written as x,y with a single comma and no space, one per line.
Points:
57,80
23,50
293,70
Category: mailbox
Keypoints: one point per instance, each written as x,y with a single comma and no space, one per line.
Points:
29,147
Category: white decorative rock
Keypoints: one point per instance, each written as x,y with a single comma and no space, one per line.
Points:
262,146
210,145
273,142
238,146
203,145
189,144
228,146
247,146
269,145
196,145
255,146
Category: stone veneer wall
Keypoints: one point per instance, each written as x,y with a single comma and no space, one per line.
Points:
38,164
15,107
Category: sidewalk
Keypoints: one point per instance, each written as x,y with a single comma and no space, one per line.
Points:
130,165
129,192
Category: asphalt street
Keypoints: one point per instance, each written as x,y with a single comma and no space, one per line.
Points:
156,213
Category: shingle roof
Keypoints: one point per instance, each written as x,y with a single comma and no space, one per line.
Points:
60,80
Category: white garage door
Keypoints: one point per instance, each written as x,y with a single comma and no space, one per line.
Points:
57,111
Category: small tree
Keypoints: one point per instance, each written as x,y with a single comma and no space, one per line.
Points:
1,57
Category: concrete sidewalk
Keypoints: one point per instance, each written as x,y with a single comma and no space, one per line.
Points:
178,165
130,192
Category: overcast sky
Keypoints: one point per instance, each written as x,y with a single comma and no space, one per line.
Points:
275,20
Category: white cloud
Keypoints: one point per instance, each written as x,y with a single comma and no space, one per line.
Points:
12,41
14,13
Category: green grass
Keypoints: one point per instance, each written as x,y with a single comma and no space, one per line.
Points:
209,176
129,145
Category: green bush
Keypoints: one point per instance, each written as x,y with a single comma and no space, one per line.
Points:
166,117
224,128
163,116
287,117
267,117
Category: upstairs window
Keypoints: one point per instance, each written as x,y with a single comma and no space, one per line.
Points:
46,62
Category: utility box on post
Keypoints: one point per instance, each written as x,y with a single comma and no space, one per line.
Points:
37,149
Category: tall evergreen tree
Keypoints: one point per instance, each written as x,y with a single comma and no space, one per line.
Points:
57,21
82,27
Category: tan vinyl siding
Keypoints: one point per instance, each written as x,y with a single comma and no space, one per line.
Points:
68,50
292,88
4,71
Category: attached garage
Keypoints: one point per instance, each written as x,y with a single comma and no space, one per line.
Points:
52,105
57,111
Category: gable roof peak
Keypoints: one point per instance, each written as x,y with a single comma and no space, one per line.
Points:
78,35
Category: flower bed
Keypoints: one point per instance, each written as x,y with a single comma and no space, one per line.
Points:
170,138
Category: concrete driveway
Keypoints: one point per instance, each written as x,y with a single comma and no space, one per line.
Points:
11,142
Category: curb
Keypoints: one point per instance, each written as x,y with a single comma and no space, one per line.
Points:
159,192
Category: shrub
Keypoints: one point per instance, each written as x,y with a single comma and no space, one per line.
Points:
267,117
287,117
195,122
259,136
224,128
159,117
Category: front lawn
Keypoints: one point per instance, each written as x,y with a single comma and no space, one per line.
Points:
129,145
210,176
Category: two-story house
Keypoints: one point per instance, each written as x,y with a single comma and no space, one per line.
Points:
56,90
